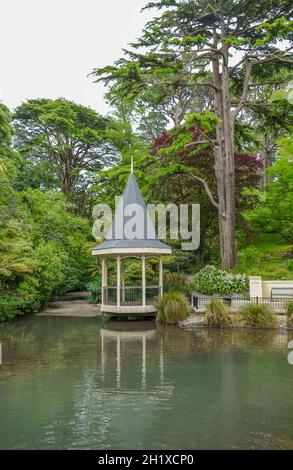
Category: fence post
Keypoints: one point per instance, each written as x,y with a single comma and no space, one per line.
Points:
194,301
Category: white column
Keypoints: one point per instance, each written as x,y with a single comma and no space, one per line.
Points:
122,295
106,272
161,275
255,286
103,280
143,366
143,281
161,361
103,356
118,280
118,358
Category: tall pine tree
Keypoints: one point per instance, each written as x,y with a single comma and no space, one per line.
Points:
225,46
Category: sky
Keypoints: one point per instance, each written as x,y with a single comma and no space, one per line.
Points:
48,47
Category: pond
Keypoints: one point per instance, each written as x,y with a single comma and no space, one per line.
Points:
79,383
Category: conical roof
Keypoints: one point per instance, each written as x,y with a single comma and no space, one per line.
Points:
132,227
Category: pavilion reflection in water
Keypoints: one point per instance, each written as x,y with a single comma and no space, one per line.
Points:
147,338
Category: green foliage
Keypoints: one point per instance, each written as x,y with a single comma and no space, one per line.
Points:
249,257
217,314
177,282
182,261
258,316
44,249
9,307
62,143
176,69
211,280
172,308
167,76
290,308
274,213
95,287
268,257
289,313
132,271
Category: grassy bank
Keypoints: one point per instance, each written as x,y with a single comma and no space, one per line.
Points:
268,256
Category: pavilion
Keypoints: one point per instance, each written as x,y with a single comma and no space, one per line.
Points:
121,299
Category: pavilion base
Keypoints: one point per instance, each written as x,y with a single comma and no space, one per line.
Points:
129,310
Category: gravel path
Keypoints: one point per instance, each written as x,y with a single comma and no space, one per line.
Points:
77,305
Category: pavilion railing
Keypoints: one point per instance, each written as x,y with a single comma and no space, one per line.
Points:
131,295
110,295
151,292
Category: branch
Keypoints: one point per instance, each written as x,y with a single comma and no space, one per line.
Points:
238,63
206,187
245,89
271,57
183,84
197,142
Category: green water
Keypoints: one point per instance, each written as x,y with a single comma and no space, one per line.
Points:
80,384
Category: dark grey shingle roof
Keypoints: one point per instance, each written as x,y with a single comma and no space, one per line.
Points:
146,237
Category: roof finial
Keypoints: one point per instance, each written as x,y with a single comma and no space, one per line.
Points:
131,164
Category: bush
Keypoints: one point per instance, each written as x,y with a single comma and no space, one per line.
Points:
258,316
36,289
44,250
217,314
211,280
290,314
177,282
172,308
9,307
95,287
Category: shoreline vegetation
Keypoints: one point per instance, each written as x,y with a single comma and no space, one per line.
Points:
252,316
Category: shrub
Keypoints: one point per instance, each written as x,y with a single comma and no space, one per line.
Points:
44,250
258,316
31,294
211,280
172,308
290,314
177,282
217,314
95,288
36,290
9,307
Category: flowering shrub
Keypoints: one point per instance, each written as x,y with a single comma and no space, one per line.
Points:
211,280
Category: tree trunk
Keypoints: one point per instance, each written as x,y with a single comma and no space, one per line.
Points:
224,158
68,179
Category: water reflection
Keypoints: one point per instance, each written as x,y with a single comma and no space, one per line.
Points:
145,333
77,383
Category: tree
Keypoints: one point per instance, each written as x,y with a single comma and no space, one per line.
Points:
272,120
192,44
64,144
179,164
274,213
44,246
